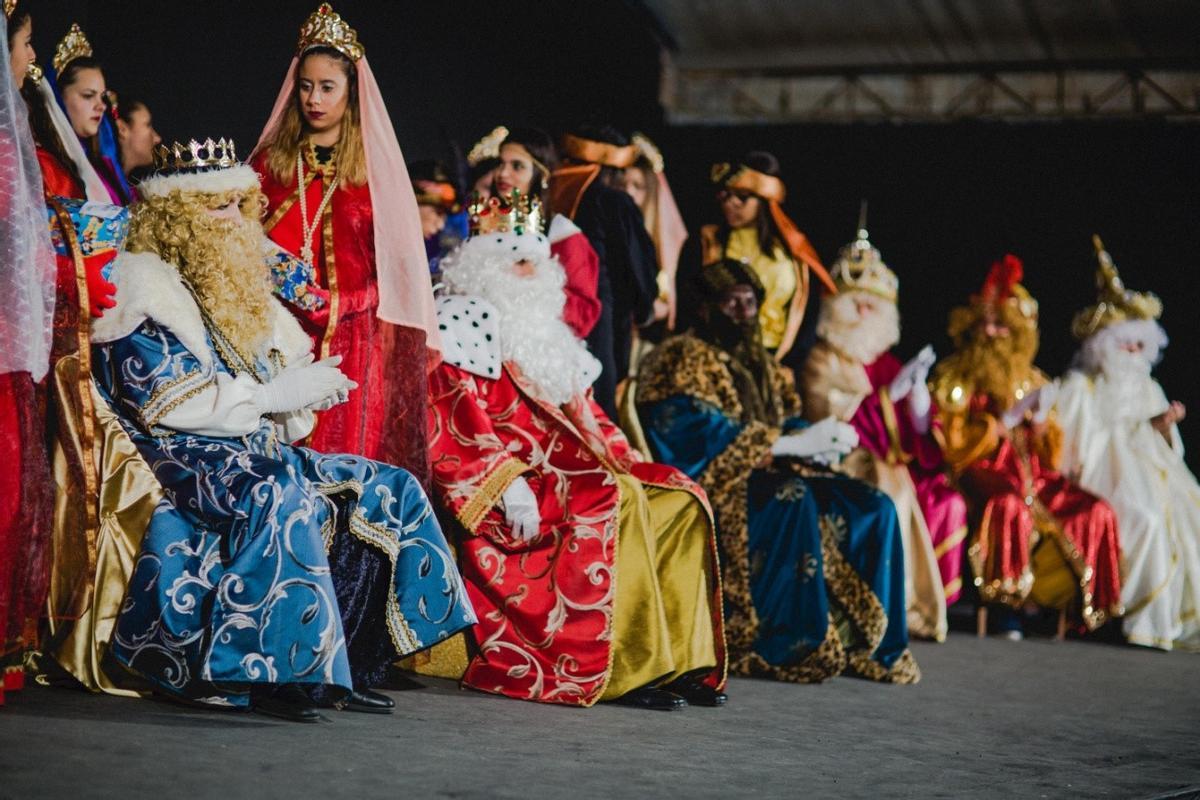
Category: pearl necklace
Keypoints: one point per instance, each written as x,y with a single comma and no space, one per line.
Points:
306,250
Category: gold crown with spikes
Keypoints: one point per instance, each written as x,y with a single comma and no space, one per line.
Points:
1114,303
195,155
488,146
9,7
74,45
860,267
517,214
324,28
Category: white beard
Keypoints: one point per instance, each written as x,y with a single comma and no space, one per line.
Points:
532,333
864,338
1103,352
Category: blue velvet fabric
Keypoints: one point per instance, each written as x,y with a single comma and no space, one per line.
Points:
266,562
785,511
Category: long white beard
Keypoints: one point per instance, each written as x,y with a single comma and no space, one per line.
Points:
532,333
1103,352
864,338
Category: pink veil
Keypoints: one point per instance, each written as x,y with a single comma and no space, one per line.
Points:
405,293
671,230
27,265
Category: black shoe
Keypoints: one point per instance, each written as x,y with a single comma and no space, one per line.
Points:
652,699
288,702
696,692
368,702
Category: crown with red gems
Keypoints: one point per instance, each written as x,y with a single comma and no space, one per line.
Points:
517,214
324,28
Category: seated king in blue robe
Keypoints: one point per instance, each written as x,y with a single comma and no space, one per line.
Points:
812,561
271,575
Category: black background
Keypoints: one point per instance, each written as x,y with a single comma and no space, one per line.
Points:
945,200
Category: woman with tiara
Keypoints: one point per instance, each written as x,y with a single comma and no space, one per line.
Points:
27,284
339,196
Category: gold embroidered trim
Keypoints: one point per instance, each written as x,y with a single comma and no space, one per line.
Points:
491,487
896,454
950,542
160,404
404,639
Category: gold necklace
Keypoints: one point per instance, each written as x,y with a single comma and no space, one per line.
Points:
306,250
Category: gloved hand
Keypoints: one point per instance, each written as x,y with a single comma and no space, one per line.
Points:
100,291
1040,401
305,385
521,510
825,441
919,406
914,372
1047,396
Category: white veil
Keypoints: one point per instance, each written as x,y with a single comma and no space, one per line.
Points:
27,266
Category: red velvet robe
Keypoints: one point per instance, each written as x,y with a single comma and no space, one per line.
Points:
385,417
1017,497
544,607
581,310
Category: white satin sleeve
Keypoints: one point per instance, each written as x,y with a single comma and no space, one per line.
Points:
294,425
226,406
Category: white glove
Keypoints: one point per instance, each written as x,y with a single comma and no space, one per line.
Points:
303,386
1047,396
919,406
1040,400
914,372
521,510
826,441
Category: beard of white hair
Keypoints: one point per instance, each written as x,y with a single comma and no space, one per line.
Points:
861,338
532,332
1103,352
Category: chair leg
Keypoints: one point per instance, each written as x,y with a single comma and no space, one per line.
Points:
981,615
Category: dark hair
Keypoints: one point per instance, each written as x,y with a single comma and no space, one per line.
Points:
17,20
541,147
479,170
43,129
71,71
126,108
609,134
769,238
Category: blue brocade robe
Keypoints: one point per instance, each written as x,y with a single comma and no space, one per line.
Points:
265,562
812,561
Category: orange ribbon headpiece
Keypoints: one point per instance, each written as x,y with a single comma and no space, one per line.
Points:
740,178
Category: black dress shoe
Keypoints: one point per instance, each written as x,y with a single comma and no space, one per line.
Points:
652,699
368,702
289,702
696,692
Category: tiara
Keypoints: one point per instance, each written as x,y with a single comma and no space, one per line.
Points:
324,28
9,7
649,150
74,45
195,156
518,214
488,146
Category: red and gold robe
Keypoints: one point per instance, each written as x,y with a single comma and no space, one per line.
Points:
546,608
384,419
1020,504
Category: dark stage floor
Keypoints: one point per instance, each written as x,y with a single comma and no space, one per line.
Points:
991,718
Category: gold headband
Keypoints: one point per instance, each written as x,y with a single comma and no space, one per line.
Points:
742,178
608,155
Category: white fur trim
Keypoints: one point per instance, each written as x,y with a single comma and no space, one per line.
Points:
223,180
516,245
150,288
470,332
562,227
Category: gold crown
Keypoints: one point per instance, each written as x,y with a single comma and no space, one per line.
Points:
488,146
74,45
860,266
649,150
195,155
324,28
1114,303
9,7
518,214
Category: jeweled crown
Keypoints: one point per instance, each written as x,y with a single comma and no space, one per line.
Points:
9,7
517,214
1114,303
195,156
860,267
324,28
74,45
